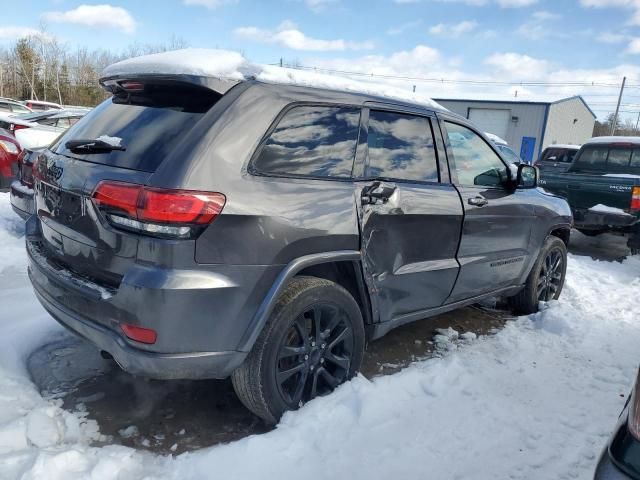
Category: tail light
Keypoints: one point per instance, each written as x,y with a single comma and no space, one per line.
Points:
9,147
635,199
25,170
14,127
157,212
634,412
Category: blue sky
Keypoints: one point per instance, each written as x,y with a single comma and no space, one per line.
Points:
510,40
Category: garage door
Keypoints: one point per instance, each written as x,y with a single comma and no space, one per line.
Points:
491,120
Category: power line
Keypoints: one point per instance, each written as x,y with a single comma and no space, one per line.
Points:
528,83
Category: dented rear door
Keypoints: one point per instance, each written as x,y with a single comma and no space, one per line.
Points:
410,221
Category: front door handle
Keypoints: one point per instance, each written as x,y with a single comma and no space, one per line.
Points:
377,192
477,201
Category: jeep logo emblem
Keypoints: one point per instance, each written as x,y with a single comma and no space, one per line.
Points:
55,172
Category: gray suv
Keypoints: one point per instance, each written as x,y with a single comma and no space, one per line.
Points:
192,227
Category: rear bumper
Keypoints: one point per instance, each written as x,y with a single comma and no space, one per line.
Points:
200,316
588,219
140,362
21,199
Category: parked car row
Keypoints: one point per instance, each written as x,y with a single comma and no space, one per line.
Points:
30,130
9,152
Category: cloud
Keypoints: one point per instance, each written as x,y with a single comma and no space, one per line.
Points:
634,47
481,3
540,26
518,66
95,16
453,30
633,5
210,4
516,3
612,38
318,6
404,27
439,76
13,32
288,35
544,15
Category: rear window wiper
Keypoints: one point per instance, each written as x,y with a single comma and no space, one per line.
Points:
93,146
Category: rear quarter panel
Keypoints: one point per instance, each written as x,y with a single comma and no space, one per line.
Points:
266,220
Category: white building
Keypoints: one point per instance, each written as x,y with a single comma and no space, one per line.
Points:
529,126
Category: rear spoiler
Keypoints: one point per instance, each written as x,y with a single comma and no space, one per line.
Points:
133,82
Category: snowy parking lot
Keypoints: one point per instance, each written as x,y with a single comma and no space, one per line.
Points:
536,399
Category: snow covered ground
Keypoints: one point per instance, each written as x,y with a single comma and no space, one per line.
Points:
535,401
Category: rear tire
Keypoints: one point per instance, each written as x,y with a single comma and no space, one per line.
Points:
312,342
546,279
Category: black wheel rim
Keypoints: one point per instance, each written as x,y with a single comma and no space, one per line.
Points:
550,277
315,354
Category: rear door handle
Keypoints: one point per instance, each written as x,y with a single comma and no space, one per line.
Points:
477,201
375,192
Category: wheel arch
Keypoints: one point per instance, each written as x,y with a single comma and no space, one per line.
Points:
343,267
563,232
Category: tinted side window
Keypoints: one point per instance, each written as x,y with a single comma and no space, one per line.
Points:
619,157
19,108
316,141
550,155
401,147
569,156
593,158
475,162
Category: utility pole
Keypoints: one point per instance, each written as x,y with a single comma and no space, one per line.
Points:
637,121
615,117
1,80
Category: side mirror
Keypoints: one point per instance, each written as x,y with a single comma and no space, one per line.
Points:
527,176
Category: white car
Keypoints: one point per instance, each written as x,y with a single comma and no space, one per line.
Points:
504,148
37,137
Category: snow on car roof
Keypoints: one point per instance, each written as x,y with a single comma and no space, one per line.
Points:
228,65
496,139
42,102
564,145
599,140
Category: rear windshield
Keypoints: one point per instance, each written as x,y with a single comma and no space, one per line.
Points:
608,159
149,124
559,155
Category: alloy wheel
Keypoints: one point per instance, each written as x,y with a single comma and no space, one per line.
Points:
550,277
315,354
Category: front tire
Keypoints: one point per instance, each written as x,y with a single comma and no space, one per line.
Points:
312,342
546,279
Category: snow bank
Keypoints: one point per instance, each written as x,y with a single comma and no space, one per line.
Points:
535,401
600,208
227,65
